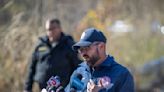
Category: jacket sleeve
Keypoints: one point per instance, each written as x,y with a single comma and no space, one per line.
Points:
127,84
31,73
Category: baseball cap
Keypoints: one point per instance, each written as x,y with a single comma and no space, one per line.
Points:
89,36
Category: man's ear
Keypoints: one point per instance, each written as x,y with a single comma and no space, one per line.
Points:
101,45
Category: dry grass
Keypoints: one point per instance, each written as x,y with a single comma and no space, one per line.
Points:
131,49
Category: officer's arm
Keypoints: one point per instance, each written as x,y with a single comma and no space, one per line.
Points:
31,73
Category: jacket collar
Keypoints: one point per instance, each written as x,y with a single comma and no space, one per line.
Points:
61,40
106,63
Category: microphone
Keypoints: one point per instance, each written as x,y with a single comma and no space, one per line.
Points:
76,83
79,79
54,85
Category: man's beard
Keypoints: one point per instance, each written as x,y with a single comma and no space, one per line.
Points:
93,59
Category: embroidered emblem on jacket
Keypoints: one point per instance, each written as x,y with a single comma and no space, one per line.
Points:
106,82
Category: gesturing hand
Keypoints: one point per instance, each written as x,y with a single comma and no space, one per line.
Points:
92,87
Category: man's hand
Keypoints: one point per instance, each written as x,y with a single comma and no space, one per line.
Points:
92,87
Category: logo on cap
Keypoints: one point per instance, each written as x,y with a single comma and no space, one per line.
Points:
83,35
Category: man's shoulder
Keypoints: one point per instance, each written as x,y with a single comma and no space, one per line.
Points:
43,39
41,42
121,68
118,69
113,65
67,42
69,39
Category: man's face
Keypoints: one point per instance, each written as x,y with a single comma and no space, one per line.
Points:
90,53
53,31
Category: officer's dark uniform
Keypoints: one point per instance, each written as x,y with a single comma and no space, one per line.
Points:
120,78
49,61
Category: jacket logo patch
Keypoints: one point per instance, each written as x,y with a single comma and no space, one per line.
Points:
42,49
106,82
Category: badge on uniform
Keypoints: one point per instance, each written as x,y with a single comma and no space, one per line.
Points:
42,49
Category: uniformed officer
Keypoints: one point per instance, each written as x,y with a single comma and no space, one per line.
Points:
52,56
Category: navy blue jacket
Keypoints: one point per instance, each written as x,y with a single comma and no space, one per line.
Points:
49,61
121,79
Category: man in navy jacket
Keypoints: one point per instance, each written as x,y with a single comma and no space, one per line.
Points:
99,72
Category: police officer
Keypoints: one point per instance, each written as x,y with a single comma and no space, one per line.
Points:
104,73
52,56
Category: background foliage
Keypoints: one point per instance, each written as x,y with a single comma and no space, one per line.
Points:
22,21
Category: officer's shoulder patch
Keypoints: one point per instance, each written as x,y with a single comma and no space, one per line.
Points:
42,48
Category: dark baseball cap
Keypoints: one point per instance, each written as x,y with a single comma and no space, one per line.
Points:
89,36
